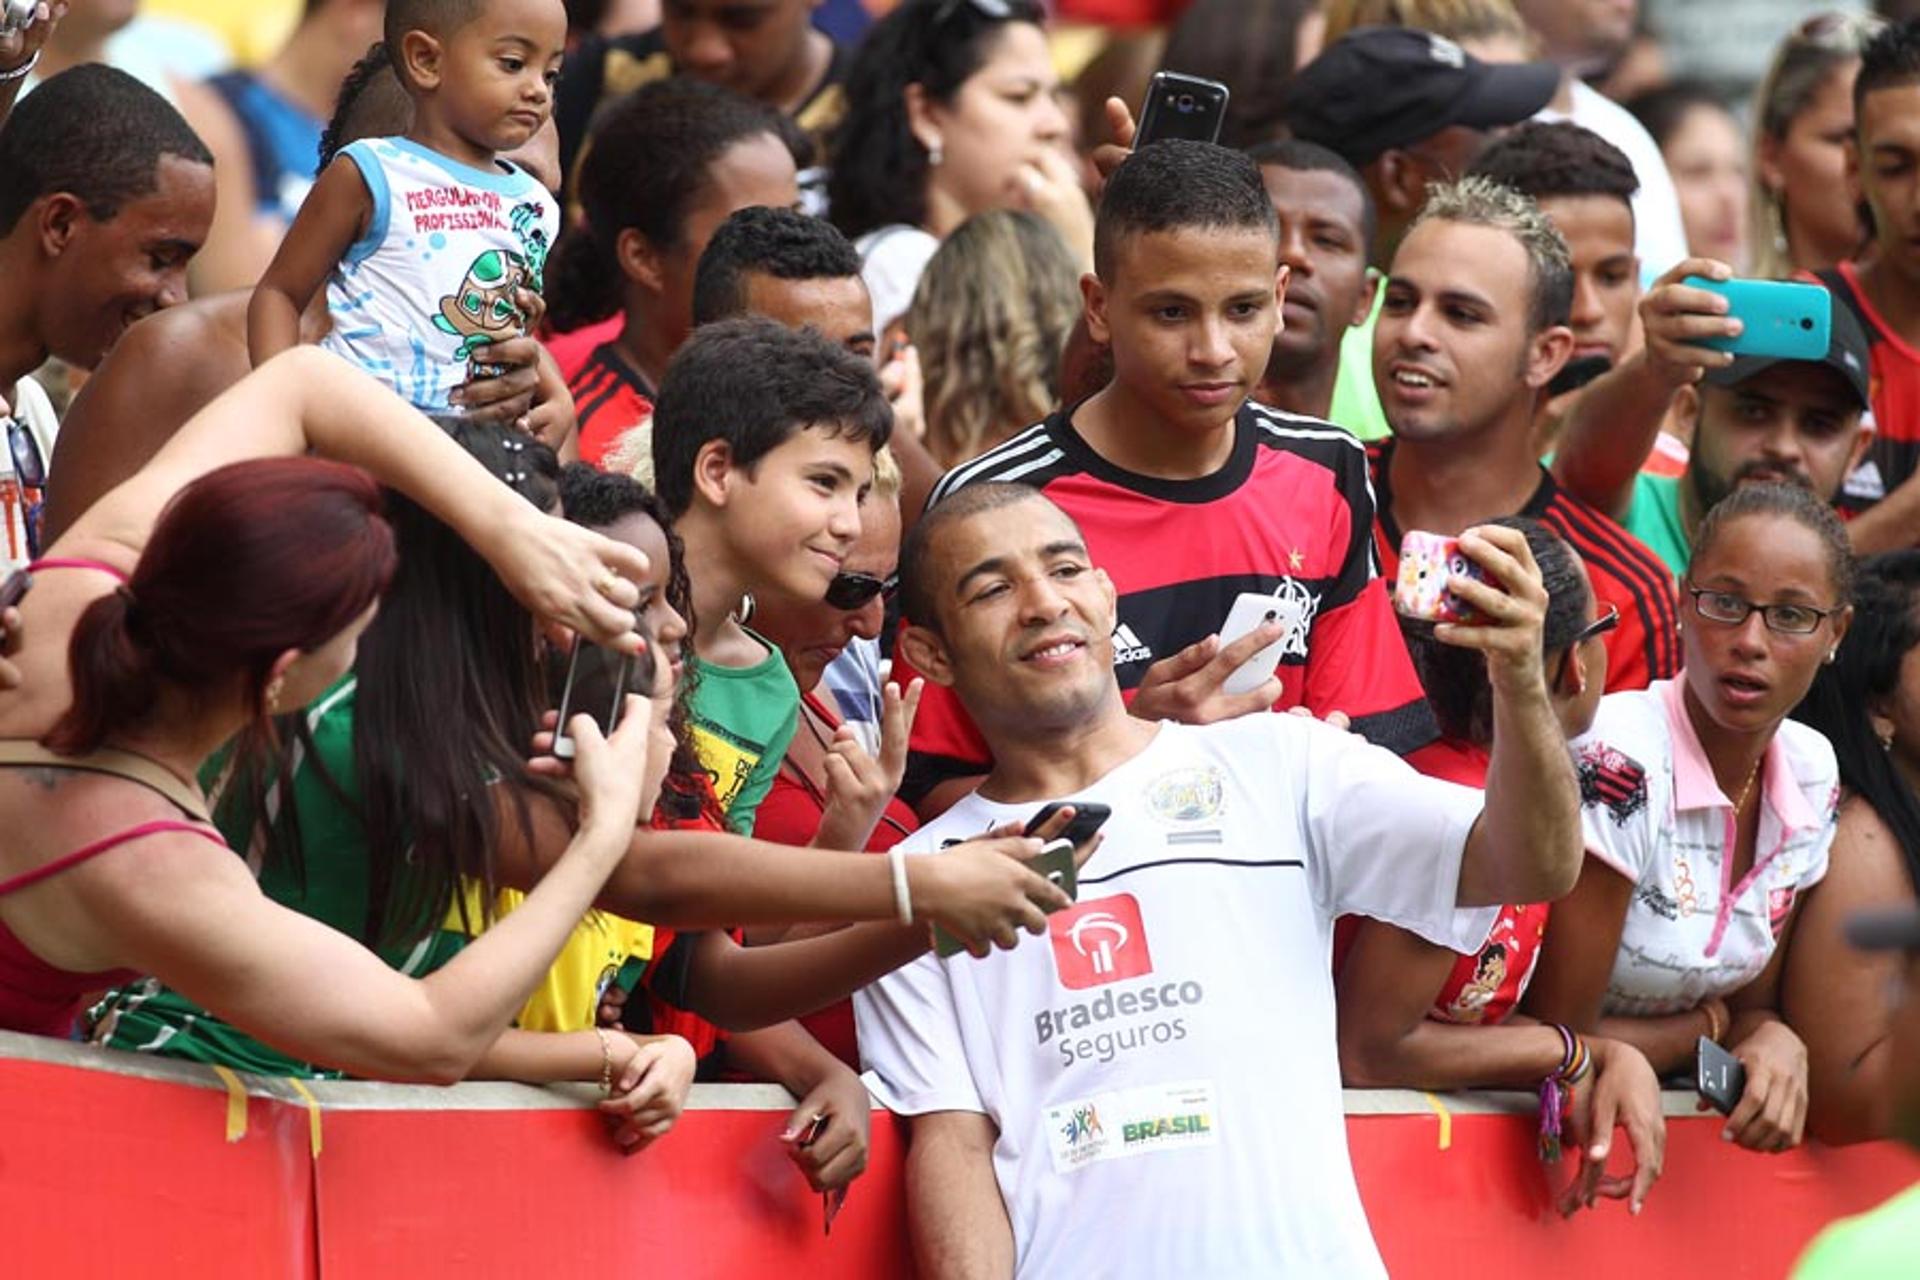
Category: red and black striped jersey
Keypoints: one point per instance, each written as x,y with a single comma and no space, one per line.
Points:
1289,514
609,399
1624,572
1893,379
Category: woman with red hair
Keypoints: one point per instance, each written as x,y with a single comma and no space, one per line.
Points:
229,580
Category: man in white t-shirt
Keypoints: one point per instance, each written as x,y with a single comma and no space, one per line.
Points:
1153,1090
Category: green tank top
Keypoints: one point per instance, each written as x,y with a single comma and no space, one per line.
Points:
147,1017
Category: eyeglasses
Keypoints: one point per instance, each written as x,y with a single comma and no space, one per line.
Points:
1782,619
850,591
1592,631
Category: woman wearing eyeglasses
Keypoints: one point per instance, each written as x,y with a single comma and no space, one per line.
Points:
1709,814
1416,1015
951,111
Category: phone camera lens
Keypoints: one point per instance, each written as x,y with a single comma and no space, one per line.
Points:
1806,322
1271,615
1184,102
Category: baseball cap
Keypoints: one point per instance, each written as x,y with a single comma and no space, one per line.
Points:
1377,88
1847,355
1885,929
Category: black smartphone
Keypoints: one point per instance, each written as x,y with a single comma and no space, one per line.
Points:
1181,106
1719,1077
597,684
18,583
1087,819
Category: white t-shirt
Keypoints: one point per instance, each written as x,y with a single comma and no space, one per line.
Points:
1659,236
34,411
1162,1067
433,279
1654,813
891,260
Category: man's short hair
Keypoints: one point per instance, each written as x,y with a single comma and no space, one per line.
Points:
1175,185
1547,159
438,18
781,243
95,133
755,384
1297,155
1482,202
1890,60
919,594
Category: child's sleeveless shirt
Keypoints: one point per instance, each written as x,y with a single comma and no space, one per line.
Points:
432,280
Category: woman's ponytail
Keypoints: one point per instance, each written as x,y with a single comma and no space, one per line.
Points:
112,672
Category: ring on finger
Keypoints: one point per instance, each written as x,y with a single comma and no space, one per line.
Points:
607,583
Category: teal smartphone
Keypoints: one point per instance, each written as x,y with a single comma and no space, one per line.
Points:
1781,319
1055,863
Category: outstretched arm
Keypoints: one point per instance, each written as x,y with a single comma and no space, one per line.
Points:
1526,845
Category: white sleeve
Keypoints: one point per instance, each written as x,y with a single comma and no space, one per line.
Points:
1385,841
1617,804
892,259
910,1045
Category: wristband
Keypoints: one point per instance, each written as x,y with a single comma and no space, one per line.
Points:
1556,1091
22,71
1714,1029
606,1063
902,898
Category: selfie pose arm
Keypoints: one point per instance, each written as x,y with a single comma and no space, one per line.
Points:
309,401
1527,844
1612,425
257,970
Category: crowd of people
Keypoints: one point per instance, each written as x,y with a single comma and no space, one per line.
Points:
511,506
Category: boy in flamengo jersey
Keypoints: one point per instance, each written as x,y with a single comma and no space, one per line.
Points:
1190,495
430,246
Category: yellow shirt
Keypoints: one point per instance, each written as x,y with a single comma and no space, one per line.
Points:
568,998
253,29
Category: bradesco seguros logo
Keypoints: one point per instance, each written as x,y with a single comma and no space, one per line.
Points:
1099,942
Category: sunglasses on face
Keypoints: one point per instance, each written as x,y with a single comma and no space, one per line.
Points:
1592,631
850,591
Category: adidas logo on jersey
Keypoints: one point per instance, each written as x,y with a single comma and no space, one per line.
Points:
1127,646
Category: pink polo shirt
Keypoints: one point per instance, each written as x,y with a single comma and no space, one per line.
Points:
1654,813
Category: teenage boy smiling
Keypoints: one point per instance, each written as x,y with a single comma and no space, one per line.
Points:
763,443
1190,495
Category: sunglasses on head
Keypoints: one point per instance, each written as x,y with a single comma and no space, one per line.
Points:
850,591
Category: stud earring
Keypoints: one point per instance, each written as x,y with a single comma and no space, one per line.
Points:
274,687
935,154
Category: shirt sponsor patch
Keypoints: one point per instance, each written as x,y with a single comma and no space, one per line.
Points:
1098,942
1132,1122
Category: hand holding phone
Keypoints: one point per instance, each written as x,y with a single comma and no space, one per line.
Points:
1781,319
597,684
1252,610
1055,862
1181,106
1428,562
1087,819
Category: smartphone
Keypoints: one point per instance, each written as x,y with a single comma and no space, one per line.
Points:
1181,106
1719,1077
1783,319
18,583
1250,609
598,681
1428,562
1087,819
1055,863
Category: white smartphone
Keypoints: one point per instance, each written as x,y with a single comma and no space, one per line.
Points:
1249,610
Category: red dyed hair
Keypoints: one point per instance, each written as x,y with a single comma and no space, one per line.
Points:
245,563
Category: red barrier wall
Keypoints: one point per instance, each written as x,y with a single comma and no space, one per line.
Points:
113,1166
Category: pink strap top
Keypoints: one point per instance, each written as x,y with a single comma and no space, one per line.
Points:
38,998
75,562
